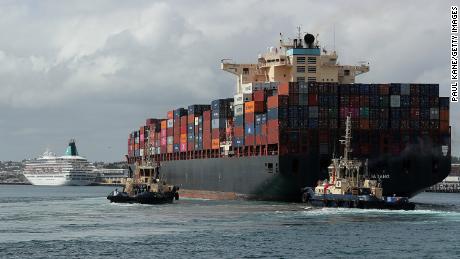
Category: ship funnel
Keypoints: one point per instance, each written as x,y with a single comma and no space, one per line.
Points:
309,40
71,149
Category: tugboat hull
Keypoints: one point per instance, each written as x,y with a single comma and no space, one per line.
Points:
356,201
144,198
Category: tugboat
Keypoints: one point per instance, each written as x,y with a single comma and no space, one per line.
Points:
145,188
347,187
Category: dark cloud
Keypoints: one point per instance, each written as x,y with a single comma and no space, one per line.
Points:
95,71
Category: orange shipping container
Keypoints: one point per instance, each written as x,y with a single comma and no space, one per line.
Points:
215,143
183,138
163,124
253,107
283,89
170,115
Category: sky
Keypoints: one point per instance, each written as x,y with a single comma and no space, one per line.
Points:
95,70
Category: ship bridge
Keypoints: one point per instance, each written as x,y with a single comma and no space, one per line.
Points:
297,60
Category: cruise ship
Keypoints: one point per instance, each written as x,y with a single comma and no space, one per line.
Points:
70,169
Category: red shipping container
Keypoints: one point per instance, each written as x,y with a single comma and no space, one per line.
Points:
384,90
170,115
207,115
273,132
176,139
190,146
183,125
444,126
207,140
277,101
264,129
249,117
444,115
312,100
142,129
169,132
258,96
239,131
364,123
415,113
249,140
190,119
163,133
163,149
218,134
258,140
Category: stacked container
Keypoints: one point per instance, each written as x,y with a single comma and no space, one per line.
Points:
300,117
221,111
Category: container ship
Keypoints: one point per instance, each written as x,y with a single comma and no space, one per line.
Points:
279,131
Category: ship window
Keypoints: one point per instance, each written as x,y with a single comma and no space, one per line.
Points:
311,60
301,79
311,79
300,69
311,69
346,72
300,60
245,71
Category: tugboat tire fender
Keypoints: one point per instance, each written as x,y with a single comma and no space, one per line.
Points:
305,197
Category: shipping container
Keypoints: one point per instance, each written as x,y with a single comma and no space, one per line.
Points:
277,101
254,107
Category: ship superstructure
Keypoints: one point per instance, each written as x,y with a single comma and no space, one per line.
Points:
69,169
279,132
296,60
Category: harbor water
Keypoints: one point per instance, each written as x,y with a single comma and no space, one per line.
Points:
79,222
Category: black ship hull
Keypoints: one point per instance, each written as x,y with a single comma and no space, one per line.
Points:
281,177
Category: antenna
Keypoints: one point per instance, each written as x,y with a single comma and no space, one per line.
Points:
334,35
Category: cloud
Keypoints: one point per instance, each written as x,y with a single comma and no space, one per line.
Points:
95,71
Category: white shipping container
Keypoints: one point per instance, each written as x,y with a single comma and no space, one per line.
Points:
239,110
170,123
196,121
170,140
241,98
395,101
247,88
141,152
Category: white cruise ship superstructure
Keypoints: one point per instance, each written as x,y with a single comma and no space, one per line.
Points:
70,169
